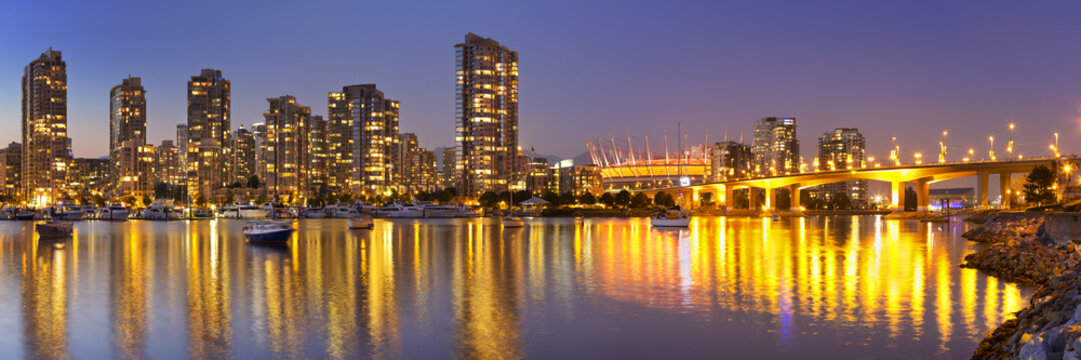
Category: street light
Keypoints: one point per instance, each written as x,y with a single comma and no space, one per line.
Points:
919,158
1009,146
942,144
1056,145
991,153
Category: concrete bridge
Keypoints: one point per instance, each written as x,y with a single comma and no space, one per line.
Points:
898,176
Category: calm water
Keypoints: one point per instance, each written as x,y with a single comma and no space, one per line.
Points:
604,288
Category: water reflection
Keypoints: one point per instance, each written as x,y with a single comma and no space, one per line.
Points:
470,288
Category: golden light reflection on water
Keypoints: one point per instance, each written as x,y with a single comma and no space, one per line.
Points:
473,289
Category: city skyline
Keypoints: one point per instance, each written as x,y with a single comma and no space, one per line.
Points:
963,85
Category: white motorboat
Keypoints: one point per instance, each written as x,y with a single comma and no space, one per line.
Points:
359,221
341,212
466,212
54,229
315,213
440,211
240,210
513,222
674,217
114,212
400,211
268,231
24,214
161,209
68,211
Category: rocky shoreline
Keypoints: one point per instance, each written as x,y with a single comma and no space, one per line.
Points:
1019,250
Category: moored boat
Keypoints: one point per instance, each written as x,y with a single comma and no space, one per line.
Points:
513,222
268,231
359,221
674,217
54,229
161,209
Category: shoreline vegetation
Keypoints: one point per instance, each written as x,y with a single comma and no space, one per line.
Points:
1017,248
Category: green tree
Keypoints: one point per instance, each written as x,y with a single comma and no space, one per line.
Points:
1039,186
253,182
639,200
147,200
840,201
608,199
623,198
587,198
230,198
489,199
200,201
566,199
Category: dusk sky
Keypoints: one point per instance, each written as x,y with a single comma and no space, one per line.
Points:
908,69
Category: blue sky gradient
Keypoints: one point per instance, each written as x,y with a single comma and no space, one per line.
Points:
908,69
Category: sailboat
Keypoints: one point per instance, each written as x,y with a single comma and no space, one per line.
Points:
511,220
55,227
676,216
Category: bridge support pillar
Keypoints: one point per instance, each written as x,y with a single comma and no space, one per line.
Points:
923,195
1004,183
752,198
981,189
793,198
898,195
729,199
771,198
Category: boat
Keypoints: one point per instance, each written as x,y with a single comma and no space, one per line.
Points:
268,231
341,212
315,213
161,209
24,214
7,214
112,212
359,221
279,213
431,211
400,211
240,210
513,222
674,217
68,211
54,229
467,212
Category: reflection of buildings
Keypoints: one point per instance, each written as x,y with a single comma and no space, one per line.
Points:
45,301
129,286
209,309
486,273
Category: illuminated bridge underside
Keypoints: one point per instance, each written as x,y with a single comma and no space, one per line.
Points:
921,175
